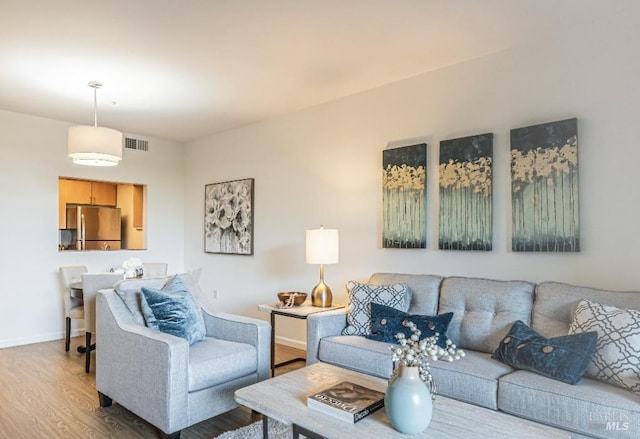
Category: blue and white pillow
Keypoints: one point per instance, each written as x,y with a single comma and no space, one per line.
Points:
360,298
617,356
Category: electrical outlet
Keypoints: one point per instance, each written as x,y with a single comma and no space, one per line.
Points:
215,294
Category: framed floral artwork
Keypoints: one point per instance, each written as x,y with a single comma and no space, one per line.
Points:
466,209
228,217
544,187
404,192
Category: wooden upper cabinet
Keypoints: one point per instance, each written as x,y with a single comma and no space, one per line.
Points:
138,206
76,191
84,192
88,192
104,194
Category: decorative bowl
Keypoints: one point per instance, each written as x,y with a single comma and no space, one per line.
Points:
298,300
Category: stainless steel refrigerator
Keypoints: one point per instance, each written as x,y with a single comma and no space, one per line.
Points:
96,228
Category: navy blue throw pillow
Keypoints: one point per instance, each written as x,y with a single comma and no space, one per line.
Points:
386,322
563,358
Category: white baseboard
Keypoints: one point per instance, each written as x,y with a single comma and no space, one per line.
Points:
297,344
38,338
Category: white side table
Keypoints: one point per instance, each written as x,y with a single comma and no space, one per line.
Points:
296,312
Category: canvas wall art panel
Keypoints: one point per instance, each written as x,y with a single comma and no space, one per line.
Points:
228,217
544,187
404,177
465,180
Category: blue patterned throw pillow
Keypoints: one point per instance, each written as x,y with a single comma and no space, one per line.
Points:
361,296
173,310
386,322
563,358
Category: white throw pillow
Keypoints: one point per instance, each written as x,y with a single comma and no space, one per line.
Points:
617,356
360,298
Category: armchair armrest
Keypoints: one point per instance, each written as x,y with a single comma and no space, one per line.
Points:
242,329
138,366
323,324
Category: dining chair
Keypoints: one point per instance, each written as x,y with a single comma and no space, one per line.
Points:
154,269
73,306
91,283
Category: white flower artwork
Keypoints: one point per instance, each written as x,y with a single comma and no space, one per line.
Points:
544,187
228,217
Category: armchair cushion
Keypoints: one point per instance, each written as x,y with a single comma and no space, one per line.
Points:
173,310
214,361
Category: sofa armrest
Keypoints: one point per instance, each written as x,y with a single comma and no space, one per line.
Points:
323,324
134,362
242,329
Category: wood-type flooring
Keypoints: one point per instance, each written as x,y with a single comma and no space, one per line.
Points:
45,393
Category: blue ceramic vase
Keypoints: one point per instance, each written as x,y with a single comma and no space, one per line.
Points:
407,401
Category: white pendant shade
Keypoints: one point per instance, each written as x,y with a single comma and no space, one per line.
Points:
322,246
94,146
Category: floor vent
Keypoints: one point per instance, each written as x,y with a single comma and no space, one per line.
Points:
137,144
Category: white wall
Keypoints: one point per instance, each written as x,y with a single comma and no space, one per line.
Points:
323,166
33,152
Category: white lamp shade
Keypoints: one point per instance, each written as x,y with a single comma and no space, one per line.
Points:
94,146
322,246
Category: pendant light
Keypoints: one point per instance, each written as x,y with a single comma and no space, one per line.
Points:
94,145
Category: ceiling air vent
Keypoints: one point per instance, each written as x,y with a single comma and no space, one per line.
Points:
137,144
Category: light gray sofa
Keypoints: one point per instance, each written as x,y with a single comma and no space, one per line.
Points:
484,311
163,379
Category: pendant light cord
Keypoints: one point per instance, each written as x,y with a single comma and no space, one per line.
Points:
95,106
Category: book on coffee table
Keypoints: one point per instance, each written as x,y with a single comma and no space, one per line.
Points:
347,401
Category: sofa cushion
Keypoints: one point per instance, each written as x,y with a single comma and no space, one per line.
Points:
424,290
590,407
617,355
386,322
357,353
214,361
484,310
362,295
130,292
473,379
555,304
563,358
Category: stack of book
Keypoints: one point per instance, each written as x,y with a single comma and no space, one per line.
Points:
347,401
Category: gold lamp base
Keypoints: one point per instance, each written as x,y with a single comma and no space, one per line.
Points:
321,295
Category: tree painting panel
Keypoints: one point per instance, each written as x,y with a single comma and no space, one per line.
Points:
404,177
544,187
466,209
228,217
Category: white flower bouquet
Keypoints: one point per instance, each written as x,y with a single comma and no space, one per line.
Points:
417,353
132,267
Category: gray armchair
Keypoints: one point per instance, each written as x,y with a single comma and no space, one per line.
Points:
162,379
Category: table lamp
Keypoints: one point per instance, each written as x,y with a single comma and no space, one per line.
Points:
322,248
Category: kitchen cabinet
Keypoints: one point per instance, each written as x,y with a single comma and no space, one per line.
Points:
138,203
98,193
71,191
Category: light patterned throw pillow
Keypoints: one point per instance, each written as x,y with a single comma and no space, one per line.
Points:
360,298
617,356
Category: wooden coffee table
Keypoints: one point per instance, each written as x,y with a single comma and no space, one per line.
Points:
284,399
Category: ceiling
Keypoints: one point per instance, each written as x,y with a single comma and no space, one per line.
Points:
181,70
